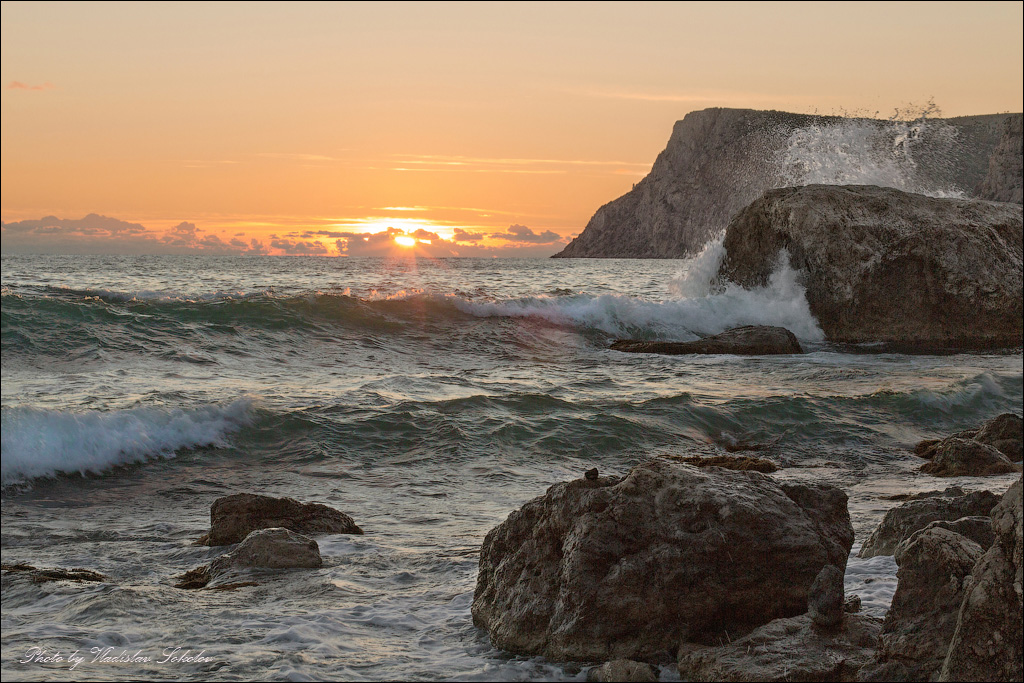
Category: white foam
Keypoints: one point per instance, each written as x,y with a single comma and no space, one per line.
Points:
698,312
864,152
39,442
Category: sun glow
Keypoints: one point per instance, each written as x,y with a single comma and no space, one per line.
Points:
405,240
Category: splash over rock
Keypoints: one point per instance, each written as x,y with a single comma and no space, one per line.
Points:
881,265
232,518
987,644
901,522
629,567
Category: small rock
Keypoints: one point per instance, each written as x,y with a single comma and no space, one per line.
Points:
825,602
900,522
852,604
46,575
276,548
591,474
956,457
625,670
233,517
948,492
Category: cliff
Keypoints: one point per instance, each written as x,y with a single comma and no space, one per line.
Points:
1005,179
719,160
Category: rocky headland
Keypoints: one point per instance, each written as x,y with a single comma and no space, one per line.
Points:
719,160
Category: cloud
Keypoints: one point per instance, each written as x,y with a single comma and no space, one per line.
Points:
18,85
96,234
521,233
299,247
464,236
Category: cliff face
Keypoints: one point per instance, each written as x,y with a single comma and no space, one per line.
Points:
1005,179
719,160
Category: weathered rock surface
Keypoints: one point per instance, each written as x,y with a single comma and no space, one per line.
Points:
955,457
827,598
900,522
625,670
882,265
792,649
630,567
934,574
232,518
977,529
1005,179
719,160
1006,433
987,643
750,340
276,548
948,492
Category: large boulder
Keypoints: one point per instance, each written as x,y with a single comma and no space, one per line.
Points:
629,567
934,572
750,340
1006,433
900,522
792,649
955,457
881,265
1005,179
232,518
987,643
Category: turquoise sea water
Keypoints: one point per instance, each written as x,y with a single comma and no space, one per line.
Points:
427,399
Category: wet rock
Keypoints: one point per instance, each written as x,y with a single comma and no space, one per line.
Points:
46,575
967,458
623,670
880,265
948,492
977,529
825,602
630,567
276,548
900,522
232,518
792,649
751,340
1005,433
934,573
742,463
852,604
987,642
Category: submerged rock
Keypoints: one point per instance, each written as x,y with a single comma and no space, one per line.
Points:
751,340
792,649
232,518
987,643
625,670
900,522
880,265
46,575
629,567
934,574
276,548
955,457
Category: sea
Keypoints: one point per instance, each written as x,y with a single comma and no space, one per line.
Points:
426,398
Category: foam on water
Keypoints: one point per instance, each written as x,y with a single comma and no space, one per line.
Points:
39,442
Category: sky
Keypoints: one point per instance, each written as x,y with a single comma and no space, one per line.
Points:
470,129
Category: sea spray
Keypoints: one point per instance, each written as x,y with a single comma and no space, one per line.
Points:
41,442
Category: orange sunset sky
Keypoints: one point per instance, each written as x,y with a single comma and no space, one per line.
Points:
492,129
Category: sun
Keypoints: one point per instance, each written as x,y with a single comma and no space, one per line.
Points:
405,240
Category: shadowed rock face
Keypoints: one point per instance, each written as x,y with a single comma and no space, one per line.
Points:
793,649
630,567
955,457
719,160
882,265
750,340
987,644
934,574
232,518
